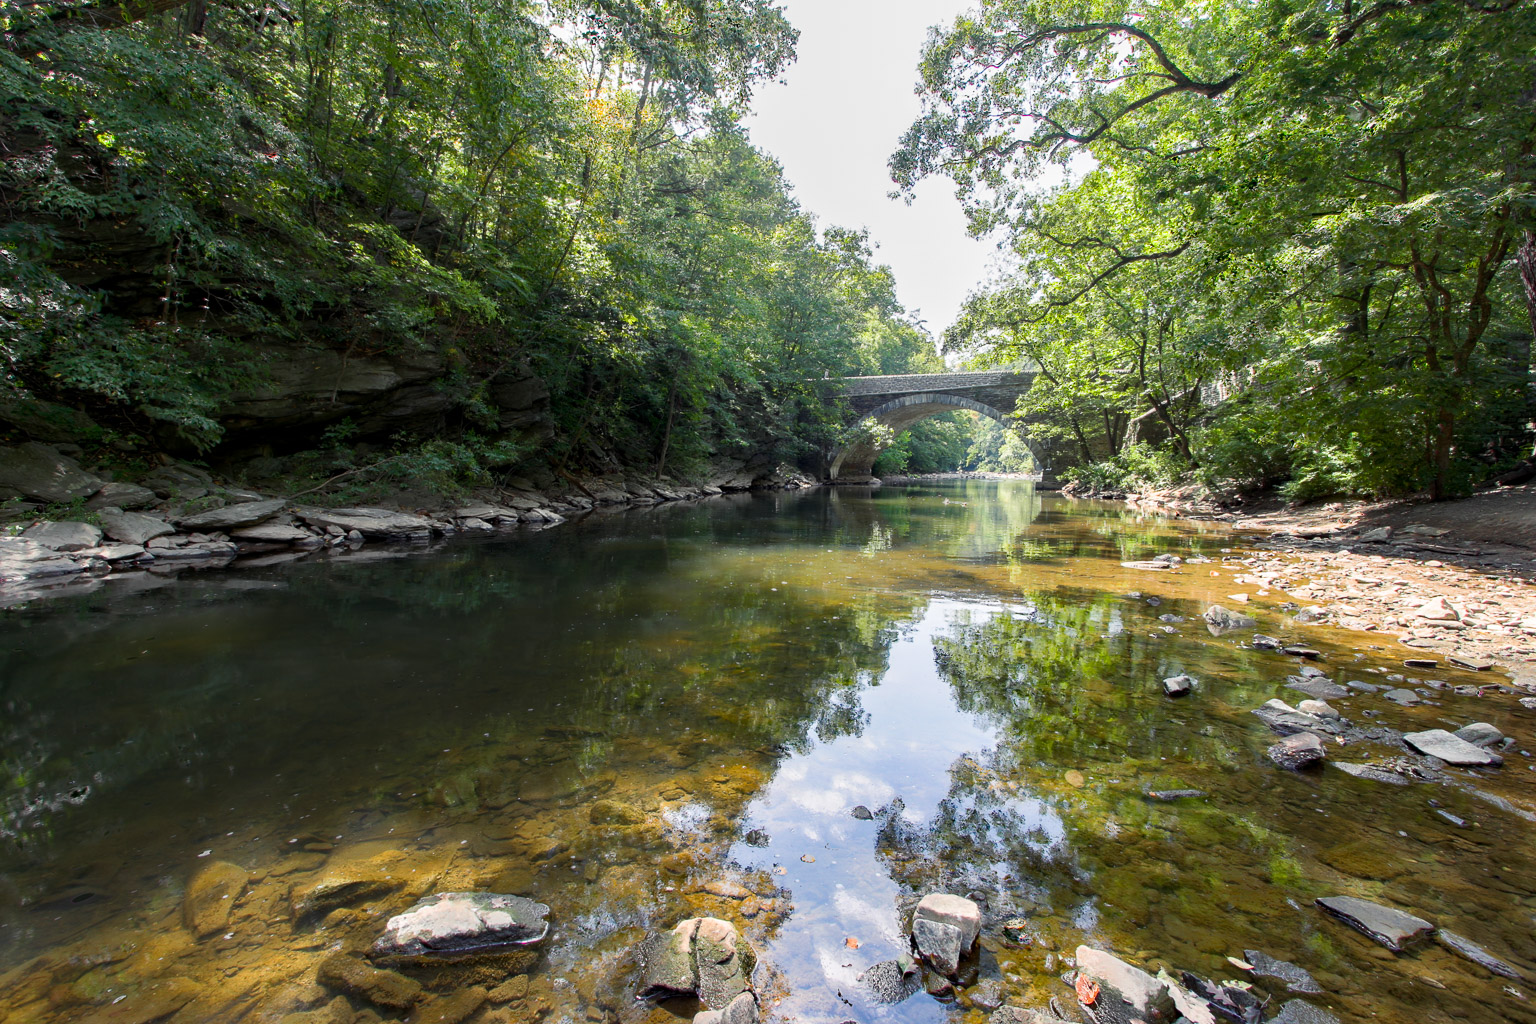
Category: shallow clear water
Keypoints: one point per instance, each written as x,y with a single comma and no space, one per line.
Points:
729,680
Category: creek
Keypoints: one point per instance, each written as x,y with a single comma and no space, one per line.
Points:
674,712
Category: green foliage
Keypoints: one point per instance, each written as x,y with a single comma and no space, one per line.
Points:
562,186
1315,208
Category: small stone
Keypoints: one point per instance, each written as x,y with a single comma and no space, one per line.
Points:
1264,643
1284,719
1380,535
1468,661
1297,1011
1298,751
939,944
1145,997
1480,734
1437,609
451,1008
1220,619
270,533
1420,663
1317,709
1178,686
1392,928
1317,687
1407,698
1297,651
891,981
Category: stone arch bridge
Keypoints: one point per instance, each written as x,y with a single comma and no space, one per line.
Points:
899,401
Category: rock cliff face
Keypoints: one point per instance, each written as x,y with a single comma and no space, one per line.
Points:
301,390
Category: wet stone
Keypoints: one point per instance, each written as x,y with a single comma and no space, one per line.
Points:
1470,950
1297,1011
1371,772
1317,687
1450,748
1126,992
350,976
1296,978
1392,928
211,896
1178,686
1407,698
939,944
1220,619
451,1008
1286,720
458,922
1480,734
741,1010
1298,751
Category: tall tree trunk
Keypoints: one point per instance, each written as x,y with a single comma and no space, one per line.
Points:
1445,434
1526,257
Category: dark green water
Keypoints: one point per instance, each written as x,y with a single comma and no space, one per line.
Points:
971,663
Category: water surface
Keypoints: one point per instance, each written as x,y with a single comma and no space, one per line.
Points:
654,715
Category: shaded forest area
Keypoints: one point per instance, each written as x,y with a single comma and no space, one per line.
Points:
1289,242
445,237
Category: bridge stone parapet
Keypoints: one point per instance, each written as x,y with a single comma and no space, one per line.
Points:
900,400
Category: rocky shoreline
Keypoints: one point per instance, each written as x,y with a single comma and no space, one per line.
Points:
181,517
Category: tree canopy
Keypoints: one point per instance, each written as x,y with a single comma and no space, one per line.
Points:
1279,240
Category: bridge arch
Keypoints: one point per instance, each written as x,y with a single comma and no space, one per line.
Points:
855,463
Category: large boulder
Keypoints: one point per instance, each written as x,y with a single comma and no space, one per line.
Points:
703,957
1121,992
38,471
46,421
462,922
246,513
211,896
64,536
133,527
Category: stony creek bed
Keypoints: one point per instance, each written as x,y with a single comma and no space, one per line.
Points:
798,713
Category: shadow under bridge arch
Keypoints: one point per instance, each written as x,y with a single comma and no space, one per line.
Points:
855,463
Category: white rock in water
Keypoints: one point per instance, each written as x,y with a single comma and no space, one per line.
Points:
1450,748
457,921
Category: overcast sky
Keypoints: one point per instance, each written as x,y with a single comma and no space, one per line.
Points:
836,120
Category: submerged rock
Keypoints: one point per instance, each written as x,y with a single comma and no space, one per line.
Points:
350,976
891,981
1392,928
741,1010
1297,1011
211,896
1317,687
1450,748
1296,978
1470,950
462,922
1220,619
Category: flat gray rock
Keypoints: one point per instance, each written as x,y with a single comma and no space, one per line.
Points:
121,496
1286,720
1317,687
22,560
1370,771
1407,698
271,533
370,522
1296,978
1450,748
1465,947
460,922
132,527
1178,686
64,536
34,470
1391,927
247,513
